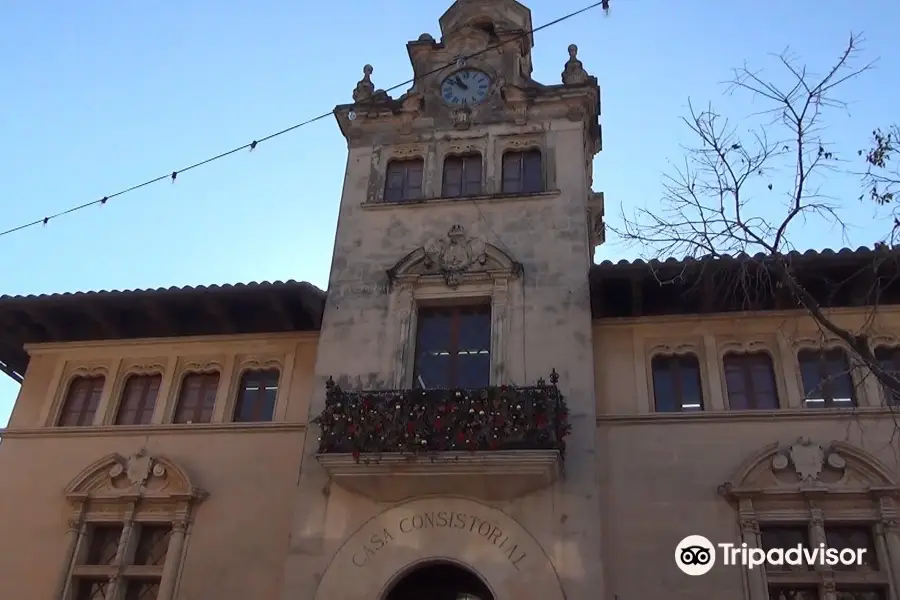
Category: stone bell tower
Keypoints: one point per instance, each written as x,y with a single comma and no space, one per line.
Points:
466,231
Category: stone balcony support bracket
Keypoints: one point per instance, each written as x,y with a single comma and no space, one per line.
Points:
485,475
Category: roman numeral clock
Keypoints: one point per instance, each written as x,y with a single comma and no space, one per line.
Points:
466,87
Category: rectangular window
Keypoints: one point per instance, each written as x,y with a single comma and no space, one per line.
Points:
197,398
750,381
81,402
453,347
853,537
784,537
826,378
462,176
135,575
138,400
403,180
256,396
523,172
676,383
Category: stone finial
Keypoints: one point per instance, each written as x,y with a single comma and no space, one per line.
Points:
574,73
365,88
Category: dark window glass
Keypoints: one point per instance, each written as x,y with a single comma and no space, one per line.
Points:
784,537
750,381
138,400
197,398
256,396
676,383
153,544
523,172
462,176
826,378
853,537
103,543
453,347
403,180
793,592
889,359
82,399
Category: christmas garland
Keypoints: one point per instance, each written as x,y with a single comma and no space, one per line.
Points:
417,421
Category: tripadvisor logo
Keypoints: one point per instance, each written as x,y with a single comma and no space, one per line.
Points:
696,555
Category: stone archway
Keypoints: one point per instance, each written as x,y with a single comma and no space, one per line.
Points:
453,530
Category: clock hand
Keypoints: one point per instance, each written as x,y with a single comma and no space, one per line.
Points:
460,83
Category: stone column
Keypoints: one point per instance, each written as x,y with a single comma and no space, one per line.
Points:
74,535
883,557
793,386
756,578
892,545
112,592
715,400
829,591
173,560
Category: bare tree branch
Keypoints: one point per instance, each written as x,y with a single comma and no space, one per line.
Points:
723,199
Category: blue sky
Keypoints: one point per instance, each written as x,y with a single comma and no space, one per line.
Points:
97,96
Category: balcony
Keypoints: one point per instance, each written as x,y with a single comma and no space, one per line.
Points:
494,443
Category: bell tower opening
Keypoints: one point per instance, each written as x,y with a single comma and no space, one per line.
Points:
440,581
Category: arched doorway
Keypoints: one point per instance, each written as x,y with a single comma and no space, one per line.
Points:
439,581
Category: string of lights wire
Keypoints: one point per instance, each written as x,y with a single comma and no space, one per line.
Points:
253,145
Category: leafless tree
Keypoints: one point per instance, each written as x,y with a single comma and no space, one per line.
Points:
744,193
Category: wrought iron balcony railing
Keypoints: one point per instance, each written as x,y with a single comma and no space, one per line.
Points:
422,421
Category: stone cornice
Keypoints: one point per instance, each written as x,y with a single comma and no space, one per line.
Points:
746,416
169,428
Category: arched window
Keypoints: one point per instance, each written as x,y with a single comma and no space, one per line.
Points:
81,401
750,381
827,382
197,398
256,396
677,386
523,172
889,359
138,399
403,180
462,176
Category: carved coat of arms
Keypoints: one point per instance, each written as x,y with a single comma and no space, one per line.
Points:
454,255
808,459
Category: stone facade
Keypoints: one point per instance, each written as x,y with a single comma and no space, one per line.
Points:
178,490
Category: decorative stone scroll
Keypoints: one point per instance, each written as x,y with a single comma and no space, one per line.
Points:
453,258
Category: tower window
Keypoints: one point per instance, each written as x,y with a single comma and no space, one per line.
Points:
462,176
256,396
404,180
523,172
453,347
82,400
197,398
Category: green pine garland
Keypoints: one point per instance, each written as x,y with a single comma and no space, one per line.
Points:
416,421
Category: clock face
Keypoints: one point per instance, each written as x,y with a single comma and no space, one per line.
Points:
465,87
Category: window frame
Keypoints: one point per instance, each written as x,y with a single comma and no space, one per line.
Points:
405,162
74,379
239,389
176,405
888,397
456,310
126,379
465,159
522,153
744,354
827,396
677,357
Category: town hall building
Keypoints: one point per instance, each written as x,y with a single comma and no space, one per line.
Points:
474,410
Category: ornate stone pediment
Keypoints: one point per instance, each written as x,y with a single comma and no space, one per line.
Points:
137,476
454,257
808,466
